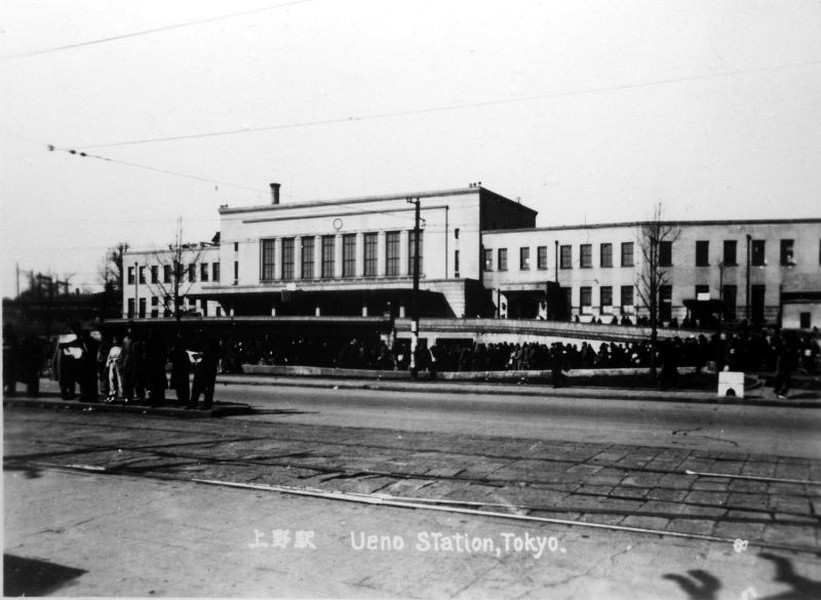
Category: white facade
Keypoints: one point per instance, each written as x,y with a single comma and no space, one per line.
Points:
353,256
481,255
149,283
708,260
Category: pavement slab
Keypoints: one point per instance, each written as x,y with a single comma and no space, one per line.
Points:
184,538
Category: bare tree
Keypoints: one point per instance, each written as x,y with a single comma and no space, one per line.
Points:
177,271
656,237
110,271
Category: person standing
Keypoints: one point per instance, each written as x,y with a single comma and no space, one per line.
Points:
128,361
784,364
558,365
102,365
115,370
205,373
88,367
31,360
154,368
180,371
10,350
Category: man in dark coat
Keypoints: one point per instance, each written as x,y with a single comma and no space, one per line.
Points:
10,361
180,371
154,357
205,372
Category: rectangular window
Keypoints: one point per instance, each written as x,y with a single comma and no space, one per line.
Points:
192,272
142,308
702,292
411,251
606,255
730,259
204,271
236,272
502,259
155,273
665,303
215,271
456,233
665,254
268,260
456,263
392,253
758,293
626,295
758,257
155,304
131,307
586,256
606,295
307,257
585,298
349,255
702,253
488,259
524,259
236,246
371,254
287,258
566,257
541,258
787,255
204,307
166,273
328,258
142,274
627,254
730,296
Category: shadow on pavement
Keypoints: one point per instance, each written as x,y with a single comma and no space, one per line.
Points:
32,577
701,585
801,588
698,584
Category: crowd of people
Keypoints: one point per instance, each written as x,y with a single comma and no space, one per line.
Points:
132,368
738,351
141,368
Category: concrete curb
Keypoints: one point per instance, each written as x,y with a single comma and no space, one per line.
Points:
523,390
220,409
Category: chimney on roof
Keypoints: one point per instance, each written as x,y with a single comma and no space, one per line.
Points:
275,193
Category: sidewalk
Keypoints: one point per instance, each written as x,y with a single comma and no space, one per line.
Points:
760,396
105,504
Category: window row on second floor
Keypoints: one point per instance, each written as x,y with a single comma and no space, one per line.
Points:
164,273
661,254
564,257
333,256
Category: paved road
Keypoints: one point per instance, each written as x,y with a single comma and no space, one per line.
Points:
84,488
754,429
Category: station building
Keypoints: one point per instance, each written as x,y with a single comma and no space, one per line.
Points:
481,255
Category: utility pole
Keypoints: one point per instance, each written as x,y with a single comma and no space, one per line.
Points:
747,294
415,293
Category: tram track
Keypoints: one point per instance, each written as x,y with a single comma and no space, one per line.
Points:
165,457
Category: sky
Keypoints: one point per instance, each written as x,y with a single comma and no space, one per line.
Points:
587,111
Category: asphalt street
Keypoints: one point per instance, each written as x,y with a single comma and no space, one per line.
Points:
772,430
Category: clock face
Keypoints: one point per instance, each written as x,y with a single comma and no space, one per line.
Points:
337,223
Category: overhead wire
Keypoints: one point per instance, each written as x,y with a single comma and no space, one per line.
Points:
81,154
149,31
451,107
